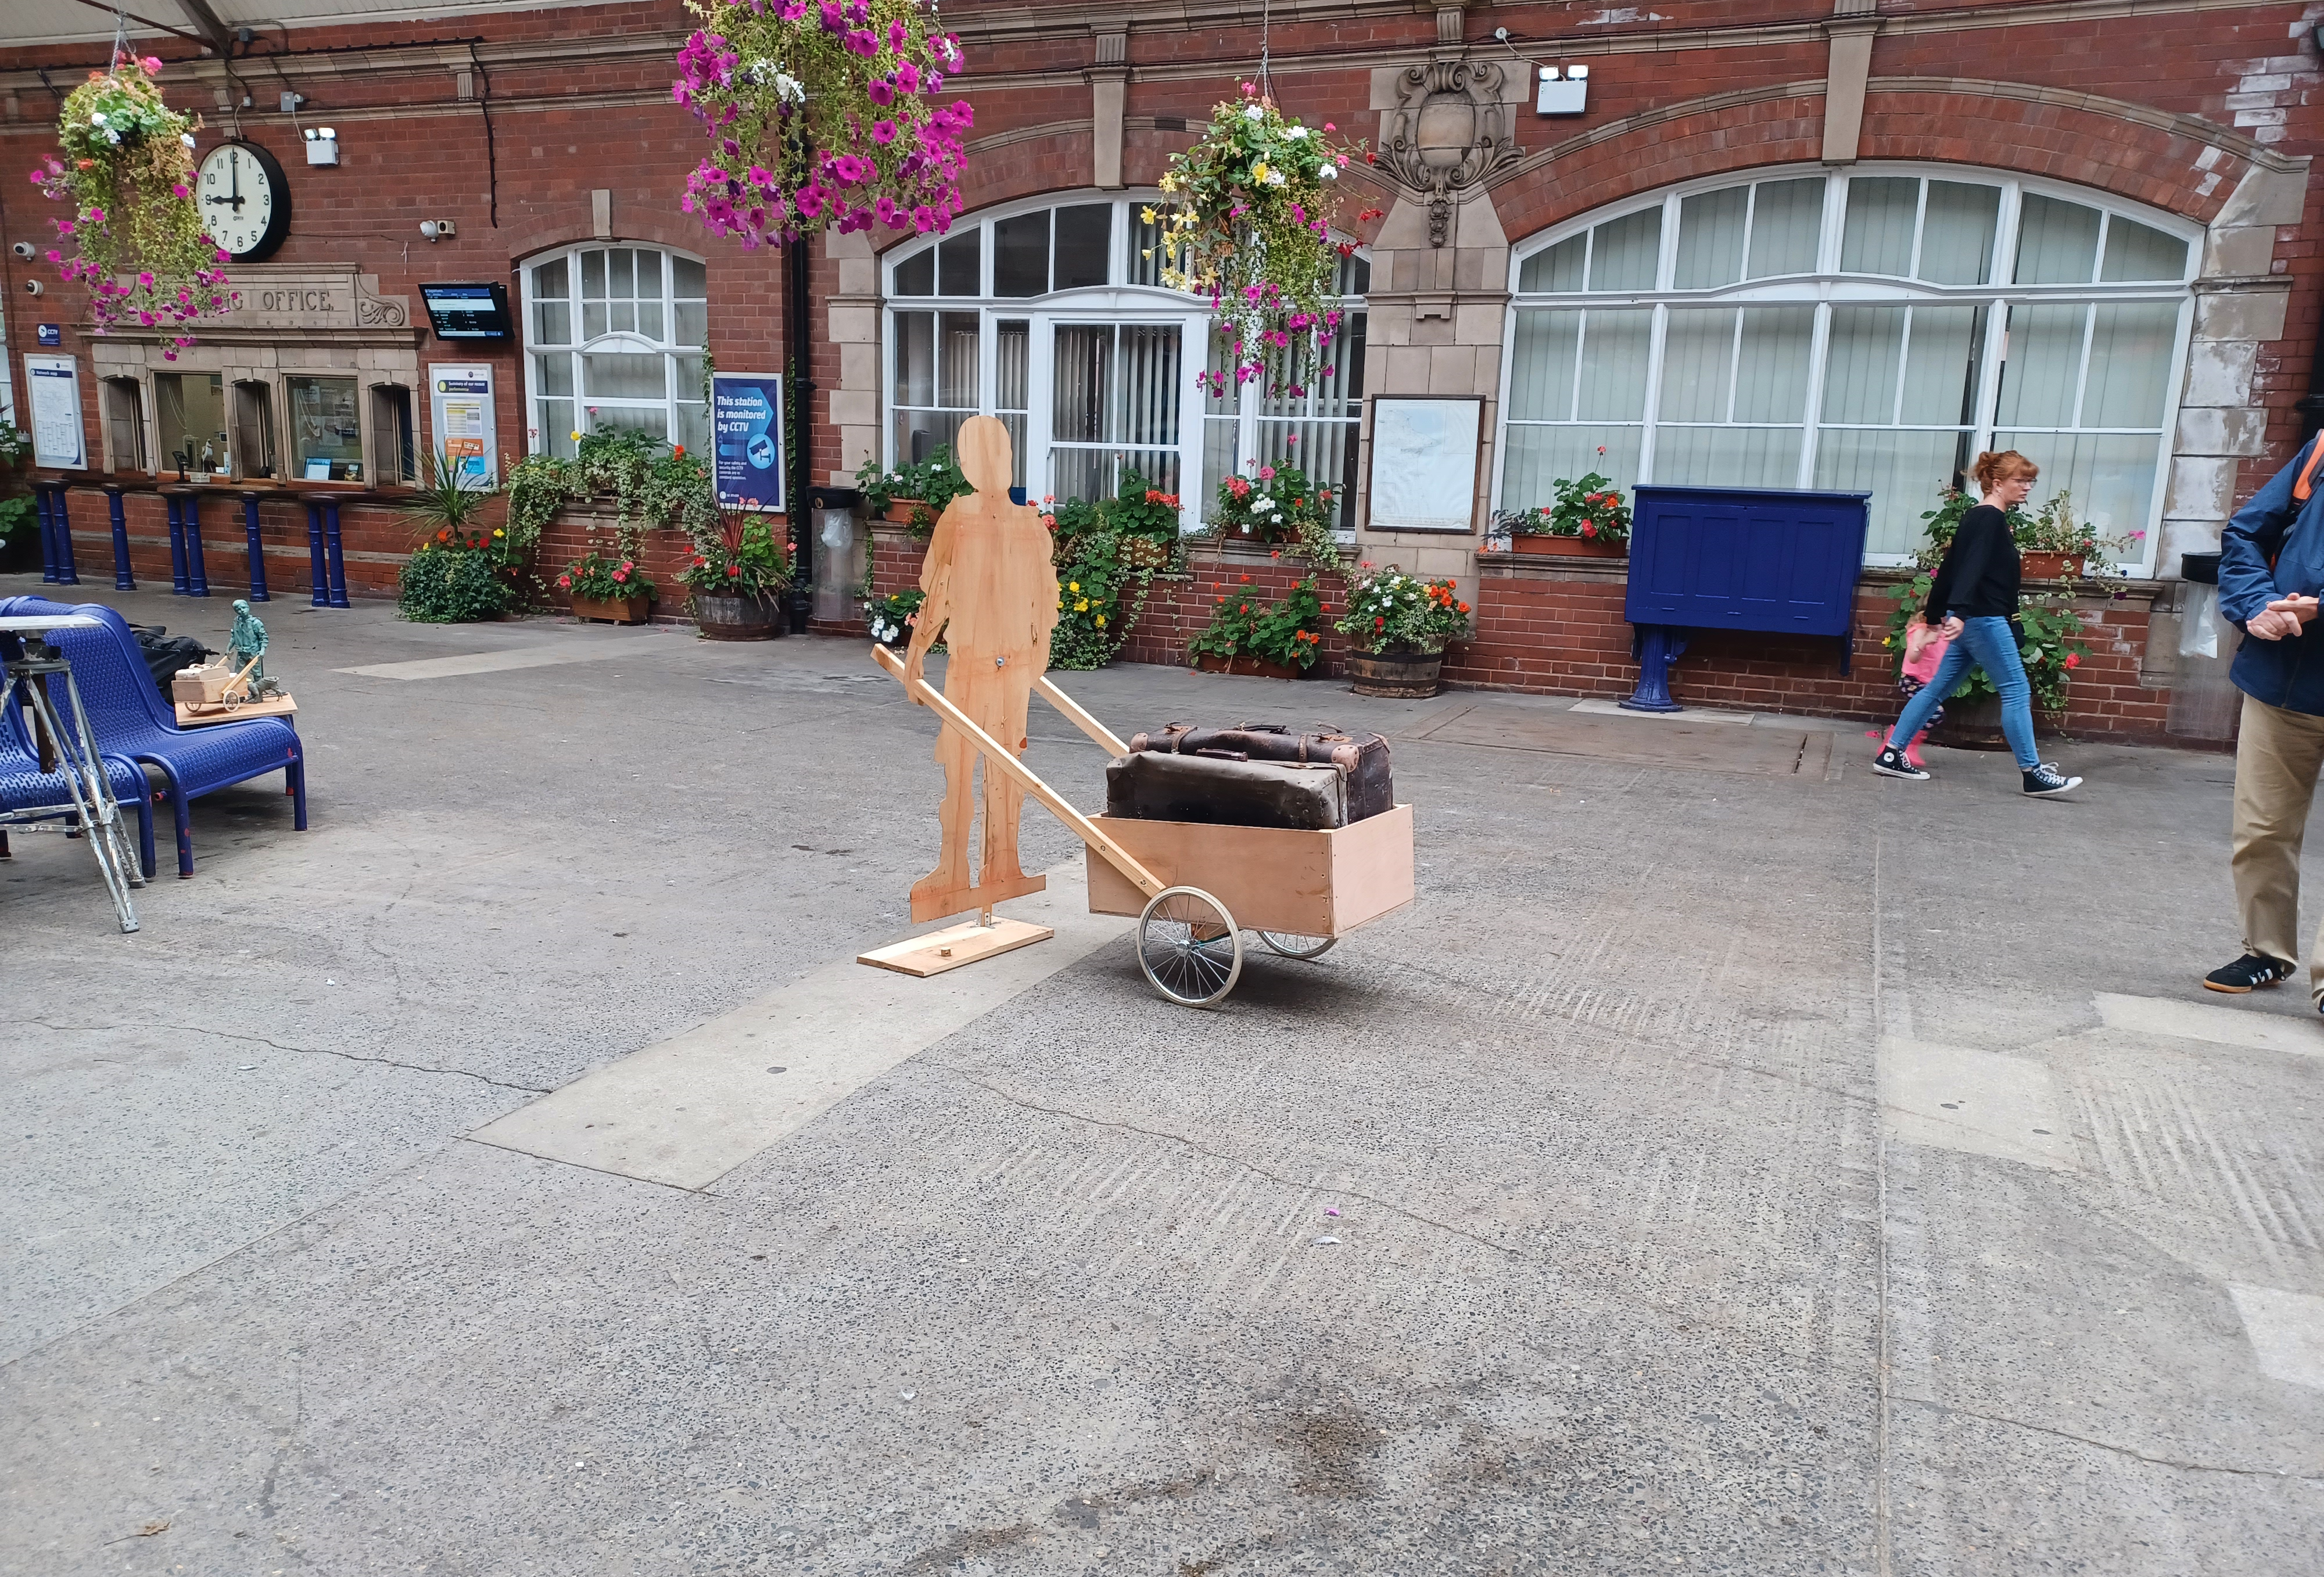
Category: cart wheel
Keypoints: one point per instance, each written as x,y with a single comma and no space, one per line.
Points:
1292,944
1188,947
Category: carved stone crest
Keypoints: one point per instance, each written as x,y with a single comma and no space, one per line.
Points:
1450,131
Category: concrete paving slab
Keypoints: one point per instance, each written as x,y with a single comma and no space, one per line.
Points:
1979,1102
492,663
689,1110
1597,706
2256,1027
2286,1331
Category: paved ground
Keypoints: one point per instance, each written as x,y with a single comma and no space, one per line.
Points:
1741,1164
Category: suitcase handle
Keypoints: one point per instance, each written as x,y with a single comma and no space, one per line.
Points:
1225,755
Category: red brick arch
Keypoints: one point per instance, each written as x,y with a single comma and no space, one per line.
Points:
2122,149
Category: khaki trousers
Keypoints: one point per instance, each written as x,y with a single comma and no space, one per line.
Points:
2278,756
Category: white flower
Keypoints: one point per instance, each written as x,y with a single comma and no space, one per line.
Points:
188,141
1327,173
790,88
1251,111
97,119
1295,134
1275,177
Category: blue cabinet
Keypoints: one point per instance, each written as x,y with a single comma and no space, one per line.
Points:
1753,558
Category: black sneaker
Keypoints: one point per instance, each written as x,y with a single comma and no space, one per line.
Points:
2044,781
2253,969
1891,763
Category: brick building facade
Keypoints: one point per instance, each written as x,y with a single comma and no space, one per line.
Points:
2089,217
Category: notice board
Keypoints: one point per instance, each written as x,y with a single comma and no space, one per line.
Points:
746,424
460,406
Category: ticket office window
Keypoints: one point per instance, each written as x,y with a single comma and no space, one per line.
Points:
254,429
124,409
190,421
326,429
394,455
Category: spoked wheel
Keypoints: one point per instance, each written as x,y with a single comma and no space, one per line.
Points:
1291,945
1188,947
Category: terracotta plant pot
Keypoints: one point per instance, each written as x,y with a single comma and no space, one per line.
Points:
900,510
1568,547
1401,675
720,617
628,611
1210,662
2051,566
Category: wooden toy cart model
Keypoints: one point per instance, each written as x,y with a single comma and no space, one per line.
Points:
1195,888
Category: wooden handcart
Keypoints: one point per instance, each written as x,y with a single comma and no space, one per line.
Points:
1194,888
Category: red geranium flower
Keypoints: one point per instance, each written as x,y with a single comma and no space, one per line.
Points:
2073,660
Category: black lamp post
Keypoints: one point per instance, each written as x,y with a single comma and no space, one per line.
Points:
802,403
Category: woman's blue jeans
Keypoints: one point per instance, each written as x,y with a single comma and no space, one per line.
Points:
1989,644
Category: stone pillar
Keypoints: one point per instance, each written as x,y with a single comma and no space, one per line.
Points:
1439,296
2240,306
852,318
1108,81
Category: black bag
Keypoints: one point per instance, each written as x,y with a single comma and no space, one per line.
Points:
165,653
1223,790
1364,757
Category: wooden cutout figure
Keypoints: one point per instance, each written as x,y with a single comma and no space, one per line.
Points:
992,599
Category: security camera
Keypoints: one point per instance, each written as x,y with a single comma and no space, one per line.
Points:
23,249
33,286
438,229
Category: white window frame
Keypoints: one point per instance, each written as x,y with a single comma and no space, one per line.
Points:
1118,303
1828,287
537,441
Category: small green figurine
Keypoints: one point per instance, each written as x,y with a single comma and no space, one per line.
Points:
245,647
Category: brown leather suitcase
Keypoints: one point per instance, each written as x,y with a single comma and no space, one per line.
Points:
1221,789
1363,756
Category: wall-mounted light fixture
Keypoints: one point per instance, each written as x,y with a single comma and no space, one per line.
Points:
1562,91
322,145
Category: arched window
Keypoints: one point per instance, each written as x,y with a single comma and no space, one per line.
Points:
1051,316
1869,330
613,338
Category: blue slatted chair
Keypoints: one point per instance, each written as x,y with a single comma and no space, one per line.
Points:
23,786
131,719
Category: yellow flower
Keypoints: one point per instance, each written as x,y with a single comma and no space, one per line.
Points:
1082,607
576,435
1072,585
1259,171
1100,621
1147,214
498,532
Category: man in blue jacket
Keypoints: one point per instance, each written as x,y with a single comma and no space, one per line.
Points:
2271,568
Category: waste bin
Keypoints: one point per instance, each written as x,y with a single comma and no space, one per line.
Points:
2204,702
839,563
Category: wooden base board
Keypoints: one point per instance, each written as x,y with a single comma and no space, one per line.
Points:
954,947
194,717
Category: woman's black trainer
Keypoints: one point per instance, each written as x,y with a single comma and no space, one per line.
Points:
2253,969
2045,780
1891,763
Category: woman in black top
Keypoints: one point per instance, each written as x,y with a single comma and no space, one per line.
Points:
1971,602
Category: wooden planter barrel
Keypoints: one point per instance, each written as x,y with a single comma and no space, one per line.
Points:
720,617
628,611
1401,675
1568,547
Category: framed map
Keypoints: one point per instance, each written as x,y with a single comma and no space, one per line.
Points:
1425,463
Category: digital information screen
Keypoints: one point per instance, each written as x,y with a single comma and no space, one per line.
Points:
467,312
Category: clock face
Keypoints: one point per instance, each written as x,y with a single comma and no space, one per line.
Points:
245,202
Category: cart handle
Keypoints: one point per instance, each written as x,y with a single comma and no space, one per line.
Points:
997,755
1099,735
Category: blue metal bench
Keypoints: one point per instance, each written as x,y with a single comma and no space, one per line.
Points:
29,794
132,720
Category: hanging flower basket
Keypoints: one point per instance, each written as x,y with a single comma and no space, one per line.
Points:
135,238
822,115
1249,223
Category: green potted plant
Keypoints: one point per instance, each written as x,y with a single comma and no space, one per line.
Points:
890,618
20,527
914,496
1279,504
1279,640
609,589
1398,626
1585,518
738,574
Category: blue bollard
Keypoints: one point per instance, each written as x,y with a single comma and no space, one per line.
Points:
316,576
1656,646
257,548
66,574
197,579
331,546
176,506
122,580
47,536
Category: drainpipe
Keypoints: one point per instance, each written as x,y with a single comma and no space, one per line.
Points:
802,403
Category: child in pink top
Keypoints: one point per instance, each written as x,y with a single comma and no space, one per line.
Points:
1924,648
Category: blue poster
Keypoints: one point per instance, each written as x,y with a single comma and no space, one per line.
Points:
746,424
